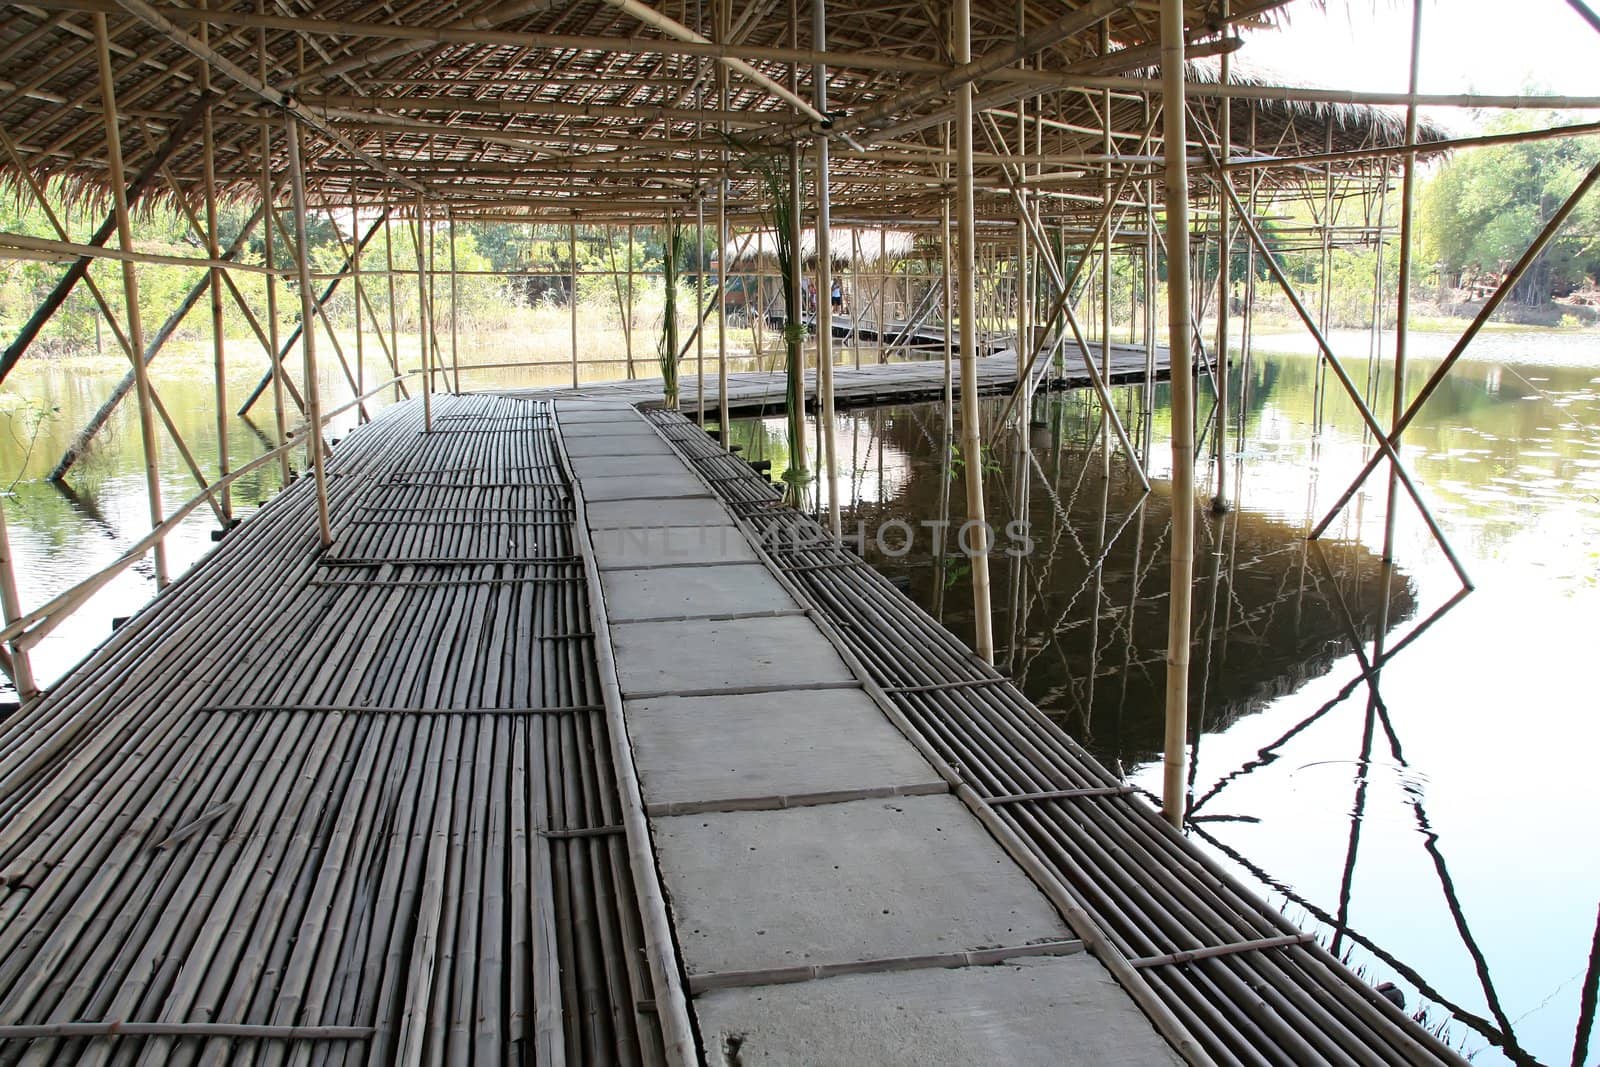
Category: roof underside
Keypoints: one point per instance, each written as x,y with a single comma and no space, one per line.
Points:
563,110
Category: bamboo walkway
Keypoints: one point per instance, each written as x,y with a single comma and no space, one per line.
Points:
425,797
357,806
759,392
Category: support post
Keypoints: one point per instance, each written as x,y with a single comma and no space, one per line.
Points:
1408,181
1182,363
355,267
794,320
424,327
699,302
10,612
130,289
1220,502
280,416
627,310
971,434
308,336
724,429
394,313
819,81
572,299
219,355
455,313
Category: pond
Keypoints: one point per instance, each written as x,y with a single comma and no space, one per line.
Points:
1431,823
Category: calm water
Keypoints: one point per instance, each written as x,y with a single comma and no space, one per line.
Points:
1433,825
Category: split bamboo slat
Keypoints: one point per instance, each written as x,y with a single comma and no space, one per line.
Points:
1236,974
353,806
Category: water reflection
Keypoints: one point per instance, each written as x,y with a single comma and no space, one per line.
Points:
1399,766
1403,770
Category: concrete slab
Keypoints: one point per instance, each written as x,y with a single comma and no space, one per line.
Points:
692,511
692,749
842,883
604,445
1046,1012
681,484
674,591
622,548
574,412
675,657
605,466
631,429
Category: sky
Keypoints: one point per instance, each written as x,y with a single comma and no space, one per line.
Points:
1481,46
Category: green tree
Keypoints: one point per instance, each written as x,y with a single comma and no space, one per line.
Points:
1484,208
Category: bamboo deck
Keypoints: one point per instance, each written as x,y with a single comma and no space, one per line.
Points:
384,803
357,805
761,392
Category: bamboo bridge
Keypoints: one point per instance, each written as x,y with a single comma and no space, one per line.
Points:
576,744
530,725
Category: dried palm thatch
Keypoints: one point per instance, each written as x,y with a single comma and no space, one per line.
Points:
589,109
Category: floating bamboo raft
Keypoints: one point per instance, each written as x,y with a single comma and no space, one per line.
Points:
1245,982
354,806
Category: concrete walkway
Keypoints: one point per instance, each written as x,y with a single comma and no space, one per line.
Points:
832,901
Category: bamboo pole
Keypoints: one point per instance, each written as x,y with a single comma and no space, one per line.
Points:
1108,240
1024,334
308,342
824,229
794,324
361,295
280,415
1220,502
130,289
971,432
294,336
627,309
177,137
455,312
10,611
724,426
1182,362
1402,327
882,273
572,300
424,328
389,272
948,280
700,304
219,355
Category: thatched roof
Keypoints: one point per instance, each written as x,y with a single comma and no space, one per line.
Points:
577,109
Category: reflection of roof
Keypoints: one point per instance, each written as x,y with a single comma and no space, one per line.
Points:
573,109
